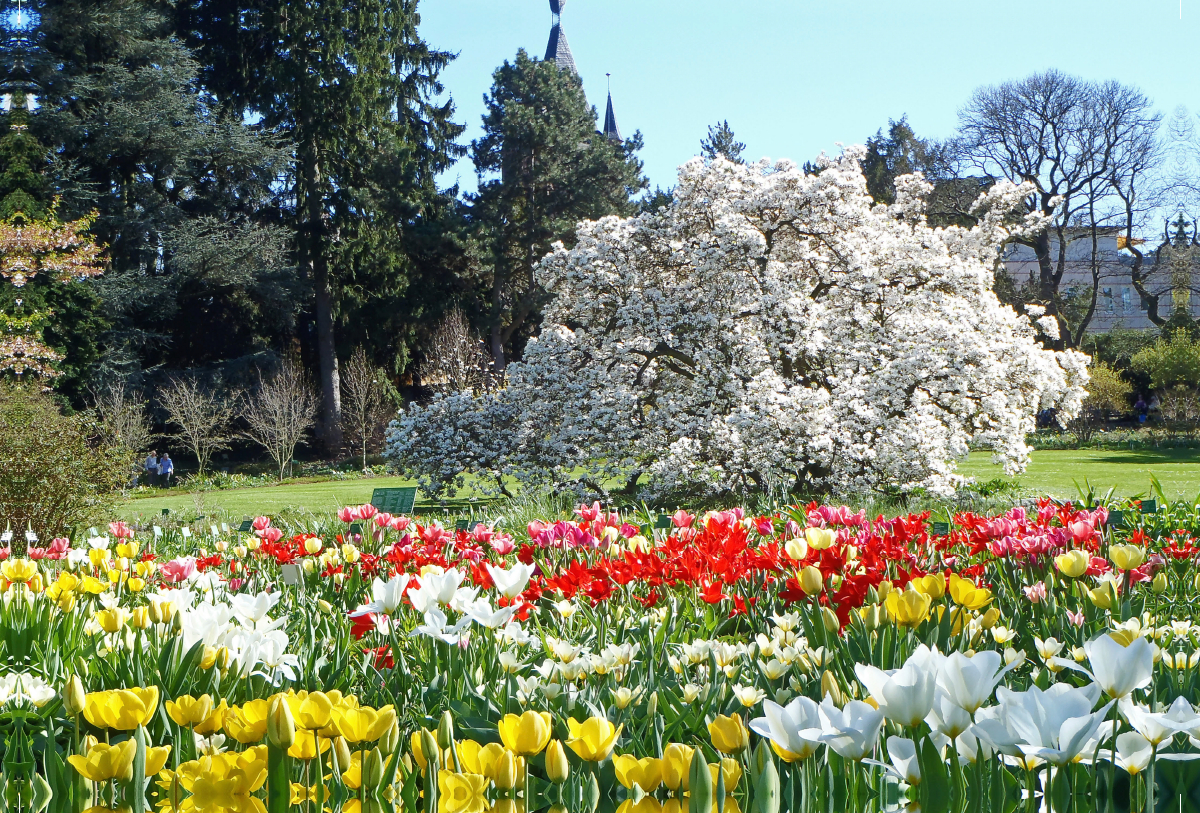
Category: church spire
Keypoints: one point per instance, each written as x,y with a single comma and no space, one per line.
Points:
557,50
611,130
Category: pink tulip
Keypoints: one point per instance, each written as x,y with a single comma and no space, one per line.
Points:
1036,592
589,514
535,528
261,523
366,511
348,515
682,519
399,523
383,519
502,544
271,535
1075,618
120,530
1081,531
178,570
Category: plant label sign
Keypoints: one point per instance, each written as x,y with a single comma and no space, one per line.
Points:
395,500
247,525
662,522
462,525
941,529
292,575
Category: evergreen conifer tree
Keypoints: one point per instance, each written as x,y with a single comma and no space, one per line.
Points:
542,168
354,90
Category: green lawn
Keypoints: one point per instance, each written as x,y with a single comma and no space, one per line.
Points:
1051,472
1056,472
317,497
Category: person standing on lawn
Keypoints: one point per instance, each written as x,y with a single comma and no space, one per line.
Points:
151,468
165,469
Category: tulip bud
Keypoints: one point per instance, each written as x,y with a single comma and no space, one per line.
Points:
557,768
140,618
281,728
831,689
74,696
811,581
324,606
989,619
372,770
591,795
830,619
652,706
883,589
700,784
1159,585
445,731
390,740
506,771
342,750
433,755
1196,582
765,780
155,612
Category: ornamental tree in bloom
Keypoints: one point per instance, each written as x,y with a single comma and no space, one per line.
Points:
767,328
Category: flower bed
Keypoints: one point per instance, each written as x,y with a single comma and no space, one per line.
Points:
808,658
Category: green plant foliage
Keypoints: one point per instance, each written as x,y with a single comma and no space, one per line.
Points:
1169,362
54,474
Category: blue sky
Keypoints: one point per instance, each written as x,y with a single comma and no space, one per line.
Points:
794,78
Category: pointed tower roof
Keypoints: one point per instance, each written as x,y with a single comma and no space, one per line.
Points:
611,130
557,50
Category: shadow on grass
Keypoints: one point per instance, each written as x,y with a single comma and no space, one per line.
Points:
1148,457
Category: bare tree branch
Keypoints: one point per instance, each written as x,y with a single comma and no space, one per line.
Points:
203,415
279,412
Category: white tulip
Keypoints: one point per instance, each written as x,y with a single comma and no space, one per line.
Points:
782,726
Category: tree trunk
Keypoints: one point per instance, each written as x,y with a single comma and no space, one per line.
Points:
329,428
496,336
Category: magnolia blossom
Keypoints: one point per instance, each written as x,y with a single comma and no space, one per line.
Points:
767,326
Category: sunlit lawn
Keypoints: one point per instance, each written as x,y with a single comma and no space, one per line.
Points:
1051,472
1056,472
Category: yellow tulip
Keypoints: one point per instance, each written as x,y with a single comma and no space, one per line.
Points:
558,769
1126,557
1104,595
731,771
468,757
214,720
989,619
310,710
931,584
121,709
811,581
135,585
18,570
676,763
646,772
500,765
1073,563
363,724
819,538
461,793
593,739
305,746
525,735
648,804
104,762
796,548
729,734
113,620
156,759
188,711
247,723
964,592
139,618
908,609
418,750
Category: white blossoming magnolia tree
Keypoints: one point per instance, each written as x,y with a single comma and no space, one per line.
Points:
769,328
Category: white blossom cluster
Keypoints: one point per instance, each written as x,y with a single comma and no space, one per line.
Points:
768,327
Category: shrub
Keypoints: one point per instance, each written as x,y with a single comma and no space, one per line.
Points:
56,470
1170,362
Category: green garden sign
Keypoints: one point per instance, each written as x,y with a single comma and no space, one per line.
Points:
395,500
